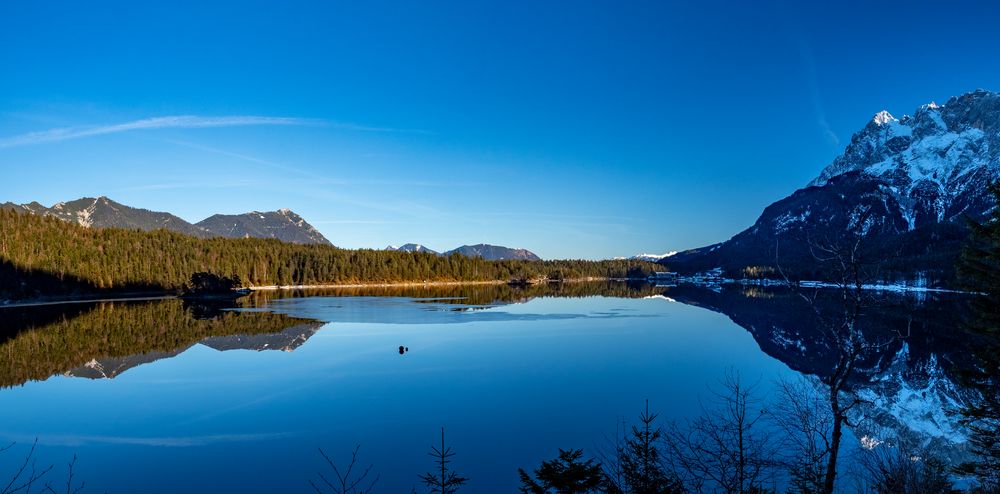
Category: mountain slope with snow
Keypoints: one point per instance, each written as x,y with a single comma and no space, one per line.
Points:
902,191
411,248
283,225
494,253
653,257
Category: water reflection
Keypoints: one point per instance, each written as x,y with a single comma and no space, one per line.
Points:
898,357
905,353
104,339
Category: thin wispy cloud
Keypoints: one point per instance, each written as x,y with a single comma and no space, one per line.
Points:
817,98
169,122
163,441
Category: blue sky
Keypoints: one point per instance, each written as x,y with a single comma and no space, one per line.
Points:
574,129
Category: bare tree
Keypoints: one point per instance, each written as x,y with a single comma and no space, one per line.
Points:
820,433
803,416
727,448
444,480
27,474
70,487
610,455
349,481
891,470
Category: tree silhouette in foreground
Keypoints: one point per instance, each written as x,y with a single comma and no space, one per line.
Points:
443,480
28,474
803,415
893,471
347,482
979,269
852,265
564,475
637,465
727,448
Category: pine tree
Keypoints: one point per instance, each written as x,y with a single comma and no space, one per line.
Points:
564,475
642,467
444,480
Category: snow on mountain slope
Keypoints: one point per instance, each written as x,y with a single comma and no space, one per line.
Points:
653,257
411,248
936,163
905,186
282,224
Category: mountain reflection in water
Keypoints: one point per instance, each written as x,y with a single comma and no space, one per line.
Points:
906,376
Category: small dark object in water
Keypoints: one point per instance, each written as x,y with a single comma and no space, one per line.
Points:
403,349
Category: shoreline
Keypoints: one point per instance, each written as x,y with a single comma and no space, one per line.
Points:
91,300
145,296
417,284
149,296
267,288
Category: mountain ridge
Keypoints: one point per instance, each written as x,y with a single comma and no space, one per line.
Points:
102,212
494,252
902,187
488,252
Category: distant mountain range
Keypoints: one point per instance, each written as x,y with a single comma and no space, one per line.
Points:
102,212
283,225
485,251
411,248
902,189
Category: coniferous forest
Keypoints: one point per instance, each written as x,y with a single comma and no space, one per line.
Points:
42,256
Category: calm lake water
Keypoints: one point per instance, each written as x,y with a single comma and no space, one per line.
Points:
166,397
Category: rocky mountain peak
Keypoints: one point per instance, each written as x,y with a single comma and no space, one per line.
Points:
916,177
882,118
929,161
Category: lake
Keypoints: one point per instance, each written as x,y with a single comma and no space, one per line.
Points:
166,396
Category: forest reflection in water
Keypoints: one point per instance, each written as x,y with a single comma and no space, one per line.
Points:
908,350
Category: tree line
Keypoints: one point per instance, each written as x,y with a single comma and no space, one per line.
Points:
739,444
42,256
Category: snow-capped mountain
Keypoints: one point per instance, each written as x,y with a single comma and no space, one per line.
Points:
411,248
103,212
282,224
653,257
905,186
936,163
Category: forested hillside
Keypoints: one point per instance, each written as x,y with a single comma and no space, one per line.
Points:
41,256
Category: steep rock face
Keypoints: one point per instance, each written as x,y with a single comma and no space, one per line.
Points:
936,163
495,253
283,225
904,187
